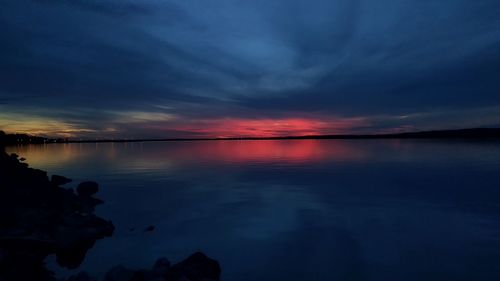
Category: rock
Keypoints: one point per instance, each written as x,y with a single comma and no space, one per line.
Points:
197,267
161,266
82,276
149,228
72,256
59,180
162,263
119,273
87,188
38,218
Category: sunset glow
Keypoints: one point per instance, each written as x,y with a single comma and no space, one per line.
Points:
184,127
231,127
102,69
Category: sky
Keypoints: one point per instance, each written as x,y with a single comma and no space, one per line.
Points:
195,68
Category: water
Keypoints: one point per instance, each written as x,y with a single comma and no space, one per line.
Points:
295,210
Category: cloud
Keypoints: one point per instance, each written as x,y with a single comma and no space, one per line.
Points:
240,127
84,61
41,126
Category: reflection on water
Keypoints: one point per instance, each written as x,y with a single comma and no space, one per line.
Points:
210,151
296,210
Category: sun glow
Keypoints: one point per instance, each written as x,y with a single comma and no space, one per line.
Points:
230,127
162,125
40,126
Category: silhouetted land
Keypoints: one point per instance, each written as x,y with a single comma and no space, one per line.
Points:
474,133
39,217
12,139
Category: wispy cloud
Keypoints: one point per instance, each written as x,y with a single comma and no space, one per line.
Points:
146,67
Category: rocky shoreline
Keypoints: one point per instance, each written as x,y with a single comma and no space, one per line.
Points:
39,217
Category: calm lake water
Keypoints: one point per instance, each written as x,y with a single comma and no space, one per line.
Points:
295,210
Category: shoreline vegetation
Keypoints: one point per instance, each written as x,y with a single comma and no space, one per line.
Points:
40,217
472,133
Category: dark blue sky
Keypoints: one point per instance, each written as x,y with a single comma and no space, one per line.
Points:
159,68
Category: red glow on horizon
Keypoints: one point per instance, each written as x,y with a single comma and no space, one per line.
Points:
230,127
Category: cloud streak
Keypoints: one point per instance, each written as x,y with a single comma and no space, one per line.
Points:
90,63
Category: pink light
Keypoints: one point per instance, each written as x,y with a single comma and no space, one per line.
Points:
231,127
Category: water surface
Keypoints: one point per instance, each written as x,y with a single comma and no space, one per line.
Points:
295,210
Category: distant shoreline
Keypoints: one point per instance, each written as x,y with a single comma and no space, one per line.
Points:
476,133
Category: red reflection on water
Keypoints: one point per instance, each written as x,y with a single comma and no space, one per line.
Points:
262,151
176,154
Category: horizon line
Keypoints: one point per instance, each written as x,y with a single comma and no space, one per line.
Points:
443,134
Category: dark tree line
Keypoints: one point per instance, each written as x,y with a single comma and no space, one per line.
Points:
12,139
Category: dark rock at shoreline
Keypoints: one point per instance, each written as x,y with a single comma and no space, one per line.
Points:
161,263
87,188
119,273
39,218
82,276
56,179
197,267
149,228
